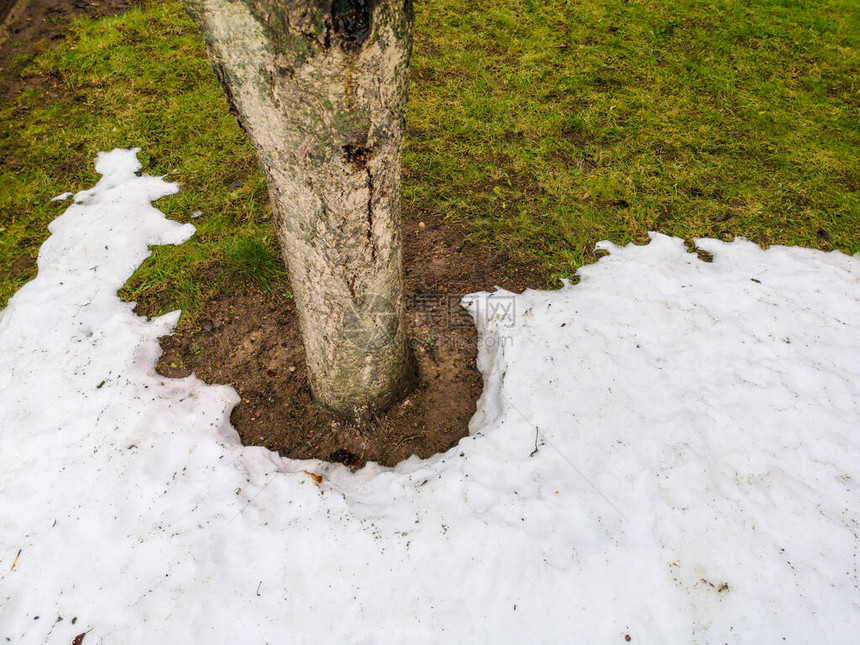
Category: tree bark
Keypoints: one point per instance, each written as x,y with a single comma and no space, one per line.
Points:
320,87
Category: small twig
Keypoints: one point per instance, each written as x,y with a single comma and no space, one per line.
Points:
377,419
405,439
258,587
15,561
537,434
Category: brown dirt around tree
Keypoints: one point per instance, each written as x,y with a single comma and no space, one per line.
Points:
251,341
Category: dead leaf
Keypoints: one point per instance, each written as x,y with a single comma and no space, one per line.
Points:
317,478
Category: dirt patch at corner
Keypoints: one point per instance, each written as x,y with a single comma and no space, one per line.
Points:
252,342
35,23
6,7
39,20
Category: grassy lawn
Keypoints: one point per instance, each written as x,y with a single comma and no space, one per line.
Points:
543,127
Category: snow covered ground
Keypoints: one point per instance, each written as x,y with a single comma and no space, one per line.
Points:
668,450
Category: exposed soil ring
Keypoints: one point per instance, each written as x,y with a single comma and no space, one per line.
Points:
252,342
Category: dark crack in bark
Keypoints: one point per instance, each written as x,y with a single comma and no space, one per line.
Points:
370,239
351,20
221,75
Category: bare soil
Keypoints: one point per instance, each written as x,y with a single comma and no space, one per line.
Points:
252,342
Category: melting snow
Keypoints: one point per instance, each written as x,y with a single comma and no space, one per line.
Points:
669,450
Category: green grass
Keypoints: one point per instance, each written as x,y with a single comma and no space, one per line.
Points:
257,261
543,127
139,79
551,125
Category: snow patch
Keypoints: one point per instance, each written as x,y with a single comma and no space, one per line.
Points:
667,450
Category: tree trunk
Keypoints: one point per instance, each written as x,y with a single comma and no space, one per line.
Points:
320,87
